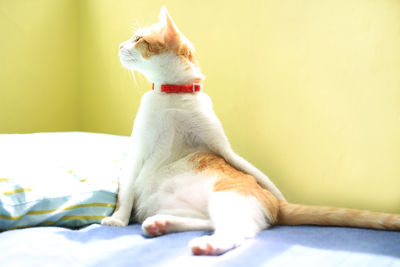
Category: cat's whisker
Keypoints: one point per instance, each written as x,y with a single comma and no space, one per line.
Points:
133,75
135,26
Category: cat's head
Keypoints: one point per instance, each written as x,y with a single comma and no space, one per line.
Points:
161,53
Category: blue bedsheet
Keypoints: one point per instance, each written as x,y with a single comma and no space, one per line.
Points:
98,245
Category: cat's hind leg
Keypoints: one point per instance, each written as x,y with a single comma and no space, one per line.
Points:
235,217
161,224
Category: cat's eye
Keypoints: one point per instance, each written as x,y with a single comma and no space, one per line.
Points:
137,38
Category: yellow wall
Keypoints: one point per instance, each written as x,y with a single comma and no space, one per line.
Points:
38,59
308,91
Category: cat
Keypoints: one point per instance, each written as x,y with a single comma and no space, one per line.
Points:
181,173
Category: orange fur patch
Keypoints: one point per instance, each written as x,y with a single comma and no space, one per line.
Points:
295,214
151,48
153,45
233,180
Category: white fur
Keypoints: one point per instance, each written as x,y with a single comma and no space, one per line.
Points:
159,184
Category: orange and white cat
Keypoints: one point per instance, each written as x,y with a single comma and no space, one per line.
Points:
181,172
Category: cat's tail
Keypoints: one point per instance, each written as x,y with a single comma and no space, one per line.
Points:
295,214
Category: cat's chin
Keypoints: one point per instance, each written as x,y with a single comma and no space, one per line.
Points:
129,64
127,59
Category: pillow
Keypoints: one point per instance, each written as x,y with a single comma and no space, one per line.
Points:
65,179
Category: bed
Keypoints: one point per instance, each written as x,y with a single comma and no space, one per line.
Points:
56,187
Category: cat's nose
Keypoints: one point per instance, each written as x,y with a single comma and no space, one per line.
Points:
121,46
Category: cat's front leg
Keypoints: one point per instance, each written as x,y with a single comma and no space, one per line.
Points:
123,208
126,193
124,204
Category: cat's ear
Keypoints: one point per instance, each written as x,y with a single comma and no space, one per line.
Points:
170,32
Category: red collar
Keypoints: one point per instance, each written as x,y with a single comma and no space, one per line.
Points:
181,88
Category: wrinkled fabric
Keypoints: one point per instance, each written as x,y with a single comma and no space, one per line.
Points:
97,245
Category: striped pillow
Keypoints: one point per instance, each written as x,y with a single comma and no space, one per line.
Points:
63,179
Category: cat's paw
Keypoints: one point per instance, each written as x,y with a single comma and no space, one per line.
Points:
156,225
211,245
112,221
